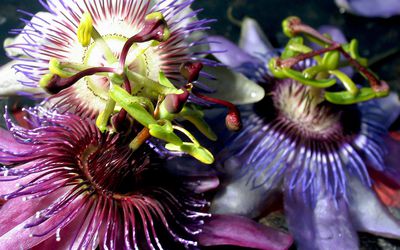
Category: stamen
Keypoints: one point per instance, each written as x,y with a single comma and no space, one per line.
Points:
232,120
174,103
293,26
191,71
155,28
141,138
86,31
290,62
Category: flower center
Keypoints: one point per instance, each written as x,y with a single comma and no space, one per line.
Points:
298,104
111,171
138,59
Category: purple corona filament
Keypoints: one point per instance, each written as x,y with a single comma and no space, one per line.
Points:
86,188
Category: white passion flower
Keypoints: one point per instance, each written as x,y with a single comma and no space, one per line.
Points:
89,39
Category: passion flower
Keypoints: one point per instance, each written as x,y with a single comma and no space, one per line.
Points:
66,184
142,37
315,137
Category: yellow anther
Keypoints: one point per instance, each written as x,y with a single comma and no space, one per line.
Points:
155,16
85,29
158,17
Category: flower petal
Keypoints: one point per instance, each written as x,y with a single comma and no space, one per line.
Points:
368,213
16,211
67,236
9,83
229,53
8,143
20,237
243,232
17,51
390,107
370,8
254,41
233,87
238,196
325,226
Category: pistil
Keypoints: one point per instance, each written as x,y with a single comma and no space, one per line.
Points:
54,84
155,29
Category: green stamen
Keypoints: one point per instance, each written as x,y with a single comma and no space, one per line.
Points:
86,31
133,106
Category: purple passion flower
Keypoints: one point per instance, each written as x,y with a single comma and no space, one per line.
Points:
370,8
66,184
312,138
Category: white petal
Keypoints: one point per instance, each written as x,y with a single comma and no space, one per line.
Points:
9,84
233,87
20,39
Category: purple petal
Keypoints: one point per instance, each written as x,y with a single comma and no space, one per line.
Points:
390,176
238,196
325,226
228,53
243,232
67,236
390,106
392,160
8,143
20,237
370,8
254,41
369,214
15,211
336,34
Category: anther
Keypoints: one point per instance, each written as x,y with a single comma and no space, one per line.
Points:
191,70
